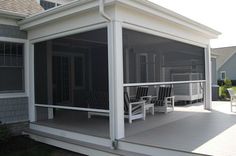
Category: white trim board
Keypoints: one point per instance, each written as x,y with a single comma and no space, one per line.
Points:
72,135
151,31
70,146
70,32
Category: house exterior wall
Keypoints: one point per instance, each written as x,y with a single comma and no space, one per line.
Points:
229,67
12,32
13,109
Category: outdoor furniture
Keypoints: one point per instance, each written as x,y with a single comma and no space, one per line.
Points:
141,92
164,102
133,110
149,107
232,98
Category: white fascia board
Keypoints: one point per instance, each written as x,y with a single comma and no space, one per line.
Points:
12,15
55,13
154,9
59,12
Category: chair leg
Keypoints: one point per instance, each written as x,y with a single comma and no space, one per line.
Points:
152,109
144,112
130,114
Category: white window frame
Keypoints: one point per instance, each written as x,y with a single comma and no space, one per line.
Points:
221,75
24,92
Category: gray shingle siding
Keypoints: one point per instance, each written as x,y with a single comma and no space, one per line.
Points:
213,71
12,32
230,68
13,110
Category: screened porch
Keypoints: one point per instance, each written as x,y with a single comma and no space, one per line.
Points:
72,80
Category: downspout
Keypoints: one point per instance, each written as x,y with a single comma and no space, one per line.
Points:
104,15
101,11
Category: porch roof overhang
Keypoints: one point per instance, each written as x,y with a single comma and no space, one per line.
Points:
140,5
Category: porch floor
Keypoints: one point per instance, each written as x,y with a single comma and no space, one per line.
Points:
188,128
195,130
99,125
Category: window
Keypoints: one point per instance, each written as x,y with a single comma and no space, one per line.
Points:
223,75
47,4
11,67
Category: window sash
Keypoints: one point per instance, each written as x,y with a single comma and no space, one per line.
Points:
12,64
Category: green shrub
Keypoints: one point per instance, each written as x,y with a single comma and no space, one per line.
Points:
4,133
224,92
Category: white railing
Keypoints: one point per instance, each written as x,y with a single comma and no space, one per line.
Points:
73,108
161,83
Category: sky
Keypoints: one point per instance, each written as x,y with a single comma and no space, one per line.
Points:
217,14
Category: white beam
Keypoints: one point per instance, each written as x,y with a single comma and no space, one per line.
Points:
32,111
116,97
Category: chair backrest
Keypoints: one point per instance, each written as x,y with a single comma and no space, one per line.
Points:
141,91
231,92
126,102
164,92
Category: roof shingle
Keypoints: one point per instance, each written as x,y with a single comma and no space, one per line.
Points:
26,7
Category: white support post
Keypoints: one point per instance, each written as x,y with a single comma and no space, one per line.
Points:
207,86
115,63
32,111
49,78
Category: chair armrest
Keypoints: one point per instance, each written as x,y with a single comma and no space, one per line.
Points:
233,97
137,103
131,97
170,98
153,97
146,98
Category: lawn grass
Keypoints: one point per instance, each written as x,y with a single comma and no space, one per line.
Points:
24,146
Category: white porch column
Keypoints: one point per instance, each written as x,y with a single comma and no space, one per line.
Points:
208,97
32,111
49,78
115,63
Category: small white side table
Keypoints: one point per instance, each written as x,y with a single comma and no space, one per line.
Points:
149,107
